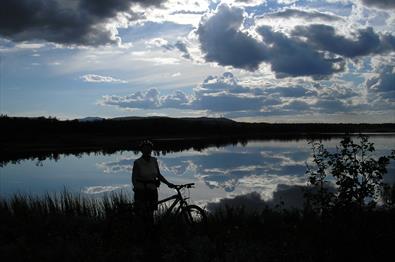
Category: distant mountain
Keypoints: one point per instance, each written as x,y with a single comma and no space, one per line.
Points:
125,118
90,119
188,119
209,119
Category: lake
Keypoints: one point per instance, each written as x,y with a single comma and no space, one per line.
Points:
265,167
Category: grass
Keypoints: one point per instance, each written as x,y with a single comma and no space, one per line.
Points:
67,227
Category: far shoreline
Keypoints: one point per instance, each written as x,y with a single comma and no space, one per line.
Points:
41,138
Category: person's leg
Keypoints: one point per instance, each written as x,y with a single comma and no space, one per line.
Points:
140,207
153,199
143,204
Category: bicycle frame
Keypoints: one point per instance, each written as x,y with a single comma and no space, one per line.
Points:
191,214
177,199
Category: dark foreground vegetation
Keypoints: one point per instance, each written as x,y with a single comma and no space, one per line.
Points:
41,138
345,224
71,229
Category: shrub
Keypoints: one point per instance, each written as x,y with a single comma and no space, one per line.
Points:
388,195
357,173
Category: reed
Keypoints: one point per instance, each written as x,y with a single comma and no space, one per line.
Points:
68,226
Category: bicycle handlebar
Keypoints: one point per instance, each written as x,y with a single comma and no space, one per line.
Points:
184,185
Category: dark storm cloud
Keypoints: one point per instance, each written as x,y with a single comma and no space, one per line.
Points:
387,43
290,57
308,15
316,50
365,42
380,3
66,22
222,41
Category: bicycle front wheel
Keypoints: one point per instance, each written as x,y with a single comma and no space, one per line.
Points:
194,214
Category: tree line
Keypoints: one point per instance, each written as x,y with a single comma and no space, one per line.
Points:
168,127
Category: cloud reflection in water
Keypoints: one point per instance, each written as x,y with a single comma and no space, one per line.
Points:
272,169
103,189
229,171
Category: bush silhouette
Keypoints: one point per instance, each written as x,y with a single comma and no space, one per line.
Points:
356,172
388,195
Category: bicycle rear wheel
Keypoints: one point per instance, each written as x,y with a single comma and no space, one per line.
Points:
194,214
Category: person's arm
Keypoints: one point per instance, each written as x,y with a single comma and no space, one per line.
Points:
162,178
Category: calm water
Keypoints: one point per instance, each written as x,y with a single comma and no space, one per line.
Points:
260,166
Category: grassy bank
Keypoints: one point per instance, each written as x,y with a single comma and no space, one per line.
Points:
67,227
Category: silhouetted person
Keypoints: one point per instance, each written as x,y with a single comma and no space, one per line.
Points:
146,178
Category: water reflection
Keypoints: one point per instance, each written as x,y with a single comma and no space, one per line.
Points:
284,197
273,169
230,168
104,189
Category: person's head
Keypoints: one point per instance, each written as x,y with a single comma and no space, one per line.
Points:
146,147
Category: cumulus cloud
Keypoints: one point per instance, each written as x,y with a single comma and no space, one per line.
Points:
291,57
226,95
176,100
144,100
180,46
223,42
316,50
383,84
220,94
244,3
156,42
183,49
215,94
331,106
365,42
307,15
384,4
91,78
80,22
297,91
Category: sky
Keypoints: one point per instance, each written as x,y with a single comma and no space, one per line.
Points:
247,60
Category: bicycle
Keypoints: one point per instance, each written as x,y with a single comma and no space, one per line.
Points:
120,212
191,214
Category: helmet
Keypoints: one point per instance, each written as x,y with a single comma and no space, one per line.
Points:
146,143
